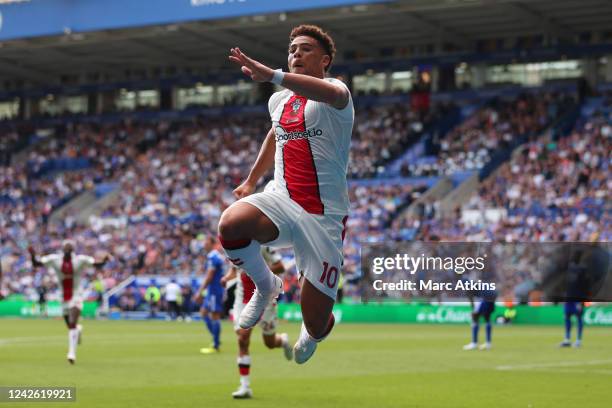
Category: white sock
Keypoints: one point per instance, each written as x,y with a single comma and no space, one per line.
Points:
73,338
250,259
245,381
304,335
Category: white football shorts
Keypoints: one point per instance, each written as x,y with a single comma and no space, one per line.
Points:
316,239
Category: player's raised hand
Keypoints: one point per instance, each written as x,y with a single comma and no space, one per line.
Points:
255,69
243,190
31,250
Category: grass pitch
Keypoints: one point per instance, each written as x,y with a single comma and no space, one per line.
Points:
157,364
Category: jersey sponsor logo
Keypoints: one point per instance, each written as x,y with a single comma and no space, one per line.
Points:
282,135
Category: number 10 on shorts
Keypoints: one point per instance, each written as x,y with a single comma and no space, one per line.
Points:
329,275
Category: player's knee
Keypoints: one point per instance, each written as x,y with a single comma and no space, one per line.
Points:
230,227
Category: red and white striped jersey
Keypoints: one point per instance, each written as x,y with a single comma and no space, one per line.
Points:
312,151
69,272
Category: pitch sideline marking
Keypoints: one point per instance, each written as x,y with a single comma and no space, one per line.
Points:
552,365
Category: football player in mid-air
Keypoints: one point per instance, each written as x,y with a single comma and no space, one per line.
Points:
244,291
69,269
308,146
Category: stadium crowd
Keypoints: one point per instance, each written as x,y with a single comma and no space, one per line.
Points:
470,145
177,191
382,133
551,190
175,179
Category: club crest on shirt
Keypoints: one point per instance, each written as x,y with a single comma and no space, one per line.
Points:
296,105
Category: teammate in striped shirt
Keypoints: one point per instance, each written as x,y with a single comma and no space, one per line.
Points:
69,269
269,320
308,146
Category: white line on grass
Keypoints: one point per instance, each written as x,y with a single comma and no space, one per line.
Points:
552,365
574,371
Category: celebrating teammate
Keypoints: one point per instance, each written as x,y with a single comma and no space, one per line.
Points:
69,269
308,144
213,301
244,291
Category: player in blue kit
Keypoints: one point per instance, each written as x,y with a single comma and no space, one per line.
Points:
484,308
576,309
578,274
212,307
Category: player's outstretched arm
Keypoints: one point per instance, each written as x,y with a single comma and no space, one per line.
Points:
311,87
103,262
317,89
35,262
265,161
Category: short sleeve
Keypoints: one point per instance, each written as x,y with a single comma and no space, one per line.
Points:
48,260
347,113
86,260
214,261
274,101
218,261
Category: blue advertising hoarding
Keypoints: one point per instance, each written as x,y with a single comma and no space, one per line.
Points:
36,18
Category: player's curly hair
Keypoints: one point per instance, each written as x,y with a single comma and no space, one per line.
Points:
318,34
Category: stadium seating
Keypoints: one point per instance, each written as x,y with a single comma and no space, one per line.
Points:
175,178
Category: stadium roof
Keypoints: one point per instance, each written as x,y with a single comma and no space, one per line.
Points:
364,32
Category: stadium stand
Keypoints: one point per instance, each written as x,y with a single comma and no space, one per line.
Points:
180,175
553,189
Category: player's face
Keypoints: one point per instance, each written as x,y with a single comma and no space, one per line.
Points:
68,248
306,56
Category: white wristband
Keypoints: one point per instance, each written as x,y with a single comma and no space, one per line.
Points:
277,77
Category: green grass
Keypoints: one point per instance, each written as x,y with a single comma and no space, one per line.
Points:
157,364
